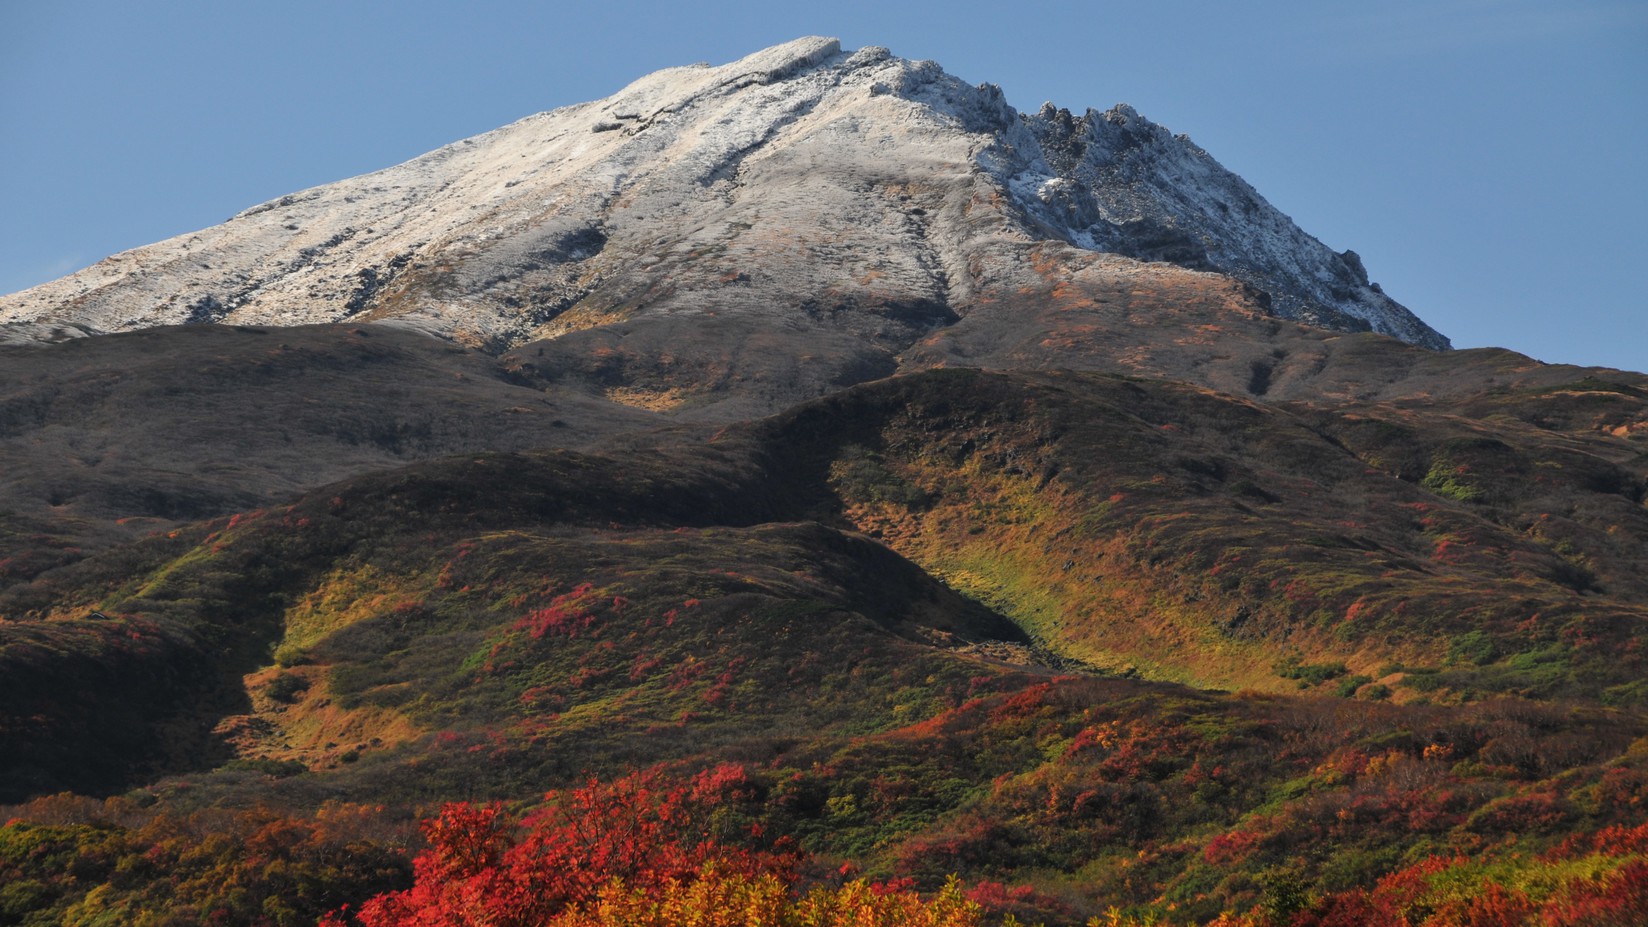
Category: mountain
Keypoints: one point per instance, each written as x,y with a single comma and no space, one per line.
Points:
864,196
819,469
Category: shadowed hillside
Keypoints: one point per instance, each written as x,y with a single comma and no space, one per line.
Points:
943,622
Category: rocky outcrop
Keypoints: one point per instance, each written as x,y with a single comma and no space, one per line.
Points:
1117,182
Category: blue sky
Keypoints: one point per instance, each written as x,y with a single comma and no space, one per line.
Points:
1487,158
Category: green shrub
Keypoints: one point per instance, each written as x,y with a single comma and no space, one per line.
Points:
1348,685
1310,674
1449,482
286,687
861,476
1475,647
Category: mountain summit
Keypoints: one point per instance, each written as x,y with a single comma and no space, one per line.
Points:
862,197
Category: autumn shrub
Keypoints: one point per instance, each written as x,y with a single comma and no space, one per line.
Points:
1597,880
640,851
110,863
484,867
718,898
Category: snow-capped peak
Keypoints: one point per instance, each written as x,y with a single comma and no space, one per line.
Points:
857,191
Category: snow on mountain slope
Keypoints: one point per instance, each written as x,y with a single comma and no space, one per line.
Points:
854,194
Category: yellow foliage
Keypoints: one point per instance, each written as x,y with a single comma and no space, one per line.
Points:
725,899
1115,918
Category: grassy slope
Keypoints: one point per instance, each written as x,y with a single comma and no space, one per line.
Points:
494,626
1207,539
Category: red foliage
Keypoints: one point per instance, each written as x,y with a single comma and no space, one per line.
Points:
973,842
1495,907
1532,812
643,665
1624,790
240,518
560,617
481,869
1620,901
1610,841
1025,704
1019,900
1230,848
1408,896
997,896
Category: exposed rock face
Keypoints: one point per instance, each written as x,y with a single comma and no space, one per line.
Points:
858,197
1115,181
